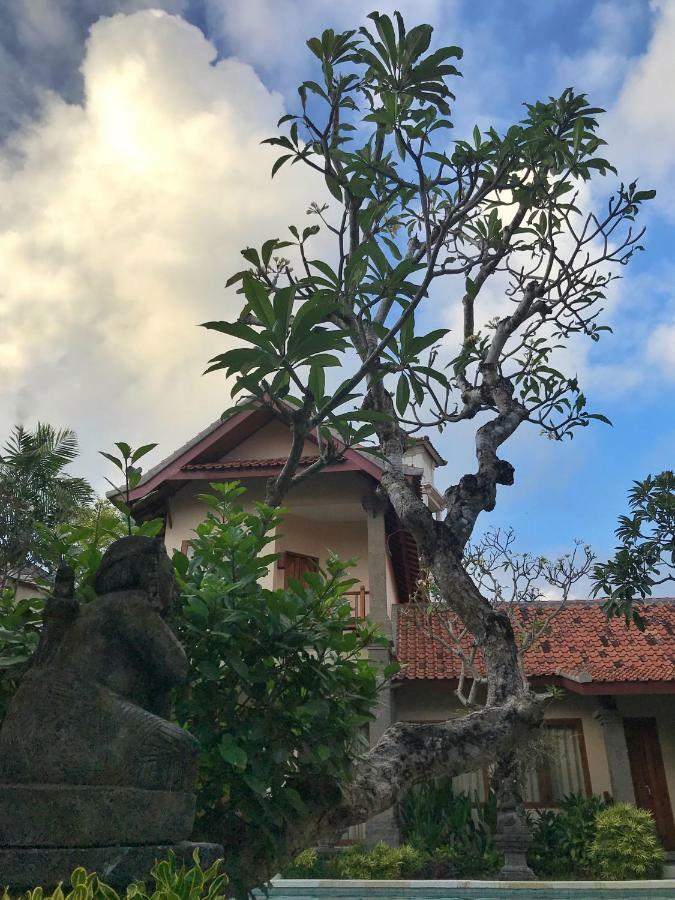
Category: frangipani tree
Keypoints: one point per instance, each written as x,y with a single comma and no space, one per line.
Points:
416,222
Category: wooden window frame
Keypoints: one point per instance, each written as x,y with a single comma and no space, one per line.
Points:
544,775
283,560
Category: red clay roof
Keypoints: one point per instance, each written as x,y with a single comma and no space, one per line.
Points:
583,645
270,463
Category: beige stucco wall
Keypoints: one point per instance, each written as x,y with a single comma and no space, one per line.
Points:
271,441
325,515
417,456
429,701
24,591
319,538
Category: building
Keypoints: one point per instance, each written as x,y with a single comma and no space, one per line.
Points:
27,582
613,730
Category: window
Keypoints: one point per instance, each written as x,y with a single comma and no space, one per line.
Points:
564,767
475,784
295,565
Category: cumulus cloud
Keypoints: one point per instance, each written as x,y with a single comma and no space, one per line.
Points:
122,218
270,34
600,68
641,124
42,45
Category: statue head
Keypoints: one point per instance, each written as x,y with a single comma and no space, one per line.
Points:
138,563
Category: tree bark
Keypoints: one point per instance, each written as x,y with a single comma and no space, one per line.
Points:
406,754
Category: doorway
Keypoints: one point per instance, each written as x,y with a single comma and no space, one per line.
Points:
649,775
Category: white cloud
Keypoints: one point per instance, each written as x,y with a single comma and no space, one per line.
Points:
640,127
270,34
121,220
661,349
601,68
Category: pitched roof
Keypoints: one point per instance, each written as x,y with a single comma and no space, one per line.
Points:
203,455
424,441
582,649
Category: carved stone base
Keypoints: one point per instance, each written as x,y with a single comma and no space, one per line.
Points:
51,815
513,839
24,868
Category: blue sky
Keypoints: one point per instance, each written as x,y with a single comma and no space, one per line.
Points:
131,174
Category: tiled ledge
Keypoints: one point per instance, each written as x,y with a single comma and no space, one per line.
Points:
287,889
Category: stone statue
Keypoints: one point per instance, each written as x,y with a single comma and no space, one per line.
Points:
88,759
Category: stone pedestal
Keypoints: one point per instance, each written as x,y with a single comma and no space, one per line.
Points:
47,831
512,835
78,815
23,868
513,839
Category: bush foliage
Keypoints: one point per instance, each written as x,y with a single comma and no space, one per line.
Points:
455,830
279,685
561,840
170,880
626,844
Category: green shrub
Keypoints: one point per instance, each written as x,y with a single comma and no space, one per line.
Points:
171,881
561,840
455,862
432,815
311,864
382,862
626,844
279,686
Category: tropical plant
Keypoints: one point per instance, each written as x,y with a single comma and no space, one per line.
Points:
562,839
20,622
381,862
279,686
646,555
433,815
412,221
35,490
171,880
127,463
626,844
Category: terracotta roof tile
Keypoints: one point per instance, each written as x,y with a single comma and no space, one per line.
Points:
581,642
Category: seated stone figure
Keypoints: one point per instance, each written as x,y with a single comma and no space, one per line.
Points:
91,708
91,771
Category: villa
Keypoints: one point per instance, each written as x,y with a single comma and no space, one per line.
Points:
612,730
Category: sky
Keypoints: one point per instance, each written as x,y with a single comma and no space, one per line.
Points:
131,174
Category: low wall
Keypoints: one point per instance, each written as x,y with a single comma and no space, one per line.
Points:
285,889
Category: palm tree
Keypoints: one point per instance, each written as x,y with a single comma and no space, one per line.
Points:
36,490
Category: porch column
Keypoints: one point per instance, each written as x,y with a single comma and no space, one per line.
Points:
617,751
377,562
383,826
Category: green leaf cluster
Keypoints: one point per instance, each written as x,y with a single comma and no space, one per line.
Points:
169,880
433,816
562,839
126,460
645,557
406,208
279,686
36,490
20,622
626,845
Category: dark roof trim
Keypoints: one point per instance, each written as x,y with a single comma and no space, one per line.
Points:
185,463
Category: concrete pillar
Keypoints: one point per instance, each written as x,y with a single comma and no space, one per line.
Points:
377,563
382,827
616,748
